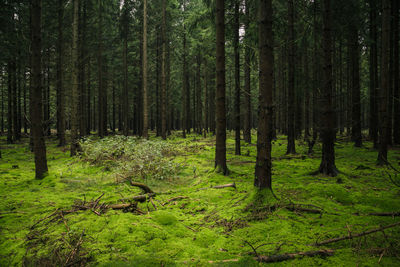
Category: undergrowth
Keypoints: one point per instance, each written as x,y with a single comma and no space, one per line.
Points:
187,222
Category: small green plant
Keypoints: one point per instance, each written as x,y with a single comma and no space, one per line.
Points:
130,157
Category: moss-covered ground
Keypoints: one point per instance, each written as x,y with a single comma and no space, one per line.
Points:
210,225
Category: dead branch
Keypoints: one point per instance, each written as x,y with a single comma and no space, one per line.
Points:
220,186
144,187
173,199
139,198
154,205
297,207
333,240
389,214
289,256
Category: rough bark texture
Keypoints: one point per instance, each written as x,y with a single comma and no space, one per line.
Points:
327,166
355,84
163,74
75,85
144,62
237,80
247,92
125,110
220,151
265,108
291,148
373,74
385,84
39,146
59,84
396,89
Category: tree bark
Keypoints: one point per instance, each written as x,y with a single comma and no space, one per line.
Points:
265,109
355,84
144,67
163,77
39,146
237,79
247,91
385,84
59,83
220,151
75,82
291,147
396,90
327,166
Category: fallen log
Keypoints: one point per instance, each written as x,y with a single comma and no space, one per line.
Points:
173,199
220,186
139,198
144,187
351,236
389,214
289,256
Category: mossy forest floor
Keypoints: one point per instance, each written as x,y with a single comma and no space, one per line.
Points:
209,226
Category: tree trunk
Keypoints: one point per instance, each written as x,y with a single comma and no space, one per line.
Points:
220,151
237,79
291,148
184,79
100,96
355,84
144,67
265,107
385,84
163,77
247,91
396,90
9,102
75,81
39,146
327,166
59,84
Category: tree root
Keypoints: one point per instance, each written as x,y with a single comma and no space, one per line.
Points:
144,187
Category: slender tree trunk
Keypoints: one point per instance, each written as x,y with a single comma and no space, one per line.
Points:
144,67
16,136
9,102
237,79
220,151
59,84
163,77
396,91
199,111
184,80
327,166
247,92
385,85
39,146
355,83
100,96
75,81
265,108
89,98
125,109
82,66
291,148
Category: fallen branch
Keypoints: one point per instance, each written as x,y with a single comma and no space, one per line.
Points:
220,186
389,214
144,187
139,198
289,256
333,240
296,207
173,199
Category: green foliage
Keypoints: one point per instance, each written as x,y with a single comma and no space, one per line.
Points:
130,157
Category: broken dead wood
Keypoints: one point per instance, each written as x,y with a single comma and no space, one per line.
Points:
174,199
223,261
152,202
220,186
139,198
351,236
144,187
389,214
289,256
297,207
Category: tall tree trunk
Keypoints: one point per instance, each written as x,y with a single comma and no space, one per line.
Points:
291,148
385,84
327,166
265,107
144,67
163,77
247,92
89,98
198,94
355,84
39,146
100,96
220,151
75,81
59,84
16,136
82,66
237,79
396,89
184,80
125,109
9,103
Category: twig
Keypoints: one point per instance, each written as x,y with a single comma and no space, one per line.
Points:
154,205
173,199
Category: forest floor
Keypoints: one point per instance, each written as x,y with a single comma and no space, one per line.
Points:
66,220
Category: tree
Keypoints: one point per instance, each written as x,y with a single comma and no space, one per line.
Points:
39,146
220,151
373,74
163,75
237,79
74,91
60,89
384,89
328,133
291,147
125,30
247,95
265,105
144,69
